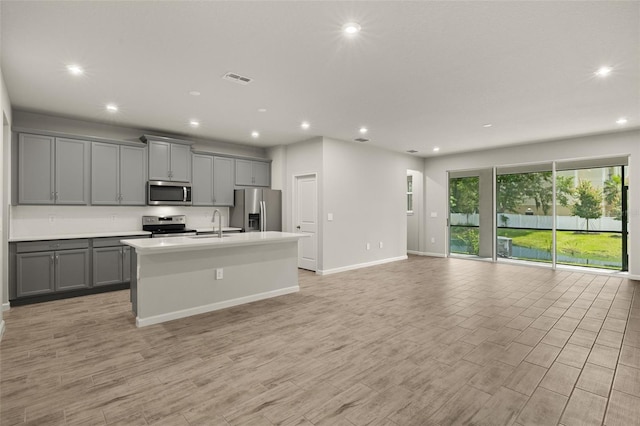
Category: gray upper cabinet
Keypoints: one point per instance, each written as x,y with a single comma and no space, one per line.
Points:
118,174
133,175
223,187
35,169
252,173
202,184
72,171
53,170
169,161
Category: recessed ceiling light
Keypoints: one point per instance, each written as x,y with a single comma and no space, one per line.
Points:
412,151
75,69
622,120
487,125
194,123
305,125
351,28
363,130
255,134
112,108
603,71
262,110
436,149
194,93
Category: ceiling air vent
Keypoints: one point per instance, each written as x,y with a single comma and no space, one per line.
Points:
361,140
412,151
237,78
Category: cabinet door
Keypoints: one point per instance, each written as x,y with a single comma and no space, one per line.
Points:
133,176
72,269
244,172
72,171
126,264
180,163
159,160
35,169
261,176
107,266
35,273
202,184
105,174
223,181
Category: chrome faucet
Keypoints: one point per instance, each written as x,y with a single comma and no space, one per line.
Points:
213,219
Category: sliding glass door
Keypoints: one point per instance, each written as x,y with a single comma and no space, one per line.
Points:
589,217
524,213
470,213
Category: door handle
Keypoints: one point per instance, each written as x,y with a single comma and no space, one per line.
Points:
184,194
298,227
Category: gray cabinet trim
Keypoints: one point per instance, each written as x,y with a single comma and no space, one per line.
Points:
89,138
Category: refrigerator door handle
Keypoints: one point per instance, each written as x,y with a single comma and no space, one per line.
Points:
261,217
264,216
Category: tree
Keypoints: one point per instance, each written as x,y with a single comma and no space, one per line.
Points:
464,195
564,189
613,196
588,202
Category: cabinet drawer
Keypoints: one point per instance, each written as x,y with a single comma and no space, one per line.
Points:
33,246
114,241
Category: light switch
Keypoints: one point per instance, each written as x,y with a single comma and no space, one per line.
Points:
434,214
330,217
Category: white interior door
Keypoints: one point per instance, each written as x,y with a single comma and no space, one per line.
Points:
305,220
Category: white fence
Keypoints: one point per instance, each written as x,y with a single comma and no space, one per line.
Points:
605,224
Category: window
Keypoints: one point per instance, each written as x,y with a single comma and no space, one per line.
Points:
409,194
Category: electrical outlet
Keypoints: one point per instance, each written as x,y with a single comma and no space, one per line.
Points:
380,244
433,240
329,217
219,274
368,246
52,218
114,217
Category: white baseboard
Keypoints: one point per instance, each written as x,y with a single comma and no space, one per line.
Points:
1,329
425,253
5,306
633,277
359,265
170,316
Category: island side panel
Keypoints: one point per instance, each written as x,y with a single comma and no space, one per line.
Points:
179,284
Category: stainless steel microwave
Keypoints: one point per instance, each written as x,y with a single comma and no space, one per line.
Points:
167,193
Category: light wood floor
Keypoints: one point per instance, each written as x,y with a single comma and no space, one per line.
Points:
417,342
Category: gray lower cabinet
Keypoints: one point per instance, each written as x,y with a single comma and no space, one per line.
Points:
39,268
107,265
111,262
49,266
53,170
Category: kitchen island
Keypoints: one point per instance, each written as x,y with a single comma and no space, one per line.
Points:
182,276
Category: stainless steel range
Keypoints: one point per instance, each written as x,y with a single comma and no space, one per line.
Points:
166,226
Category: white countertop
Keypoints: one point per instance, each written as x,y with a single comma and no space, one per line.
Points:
71,236
224,229
174,244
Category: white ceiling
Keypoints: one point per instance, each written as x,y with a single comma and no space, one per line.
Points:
418,75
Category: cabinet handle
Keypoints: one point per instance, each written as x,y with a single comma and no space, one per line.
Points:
51,259
57,259
53,194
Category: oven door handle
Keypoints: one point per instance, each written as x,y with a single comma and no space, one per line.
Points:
184,194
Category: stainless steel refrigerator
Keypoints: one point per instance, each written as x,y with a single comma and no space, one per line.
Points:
257,209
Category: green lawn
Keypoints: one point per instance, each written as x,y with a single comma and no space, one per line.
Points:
598,246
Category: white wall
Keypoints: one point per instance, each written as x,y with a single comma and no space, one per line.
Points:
364,188
616,144
301,158
5,164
